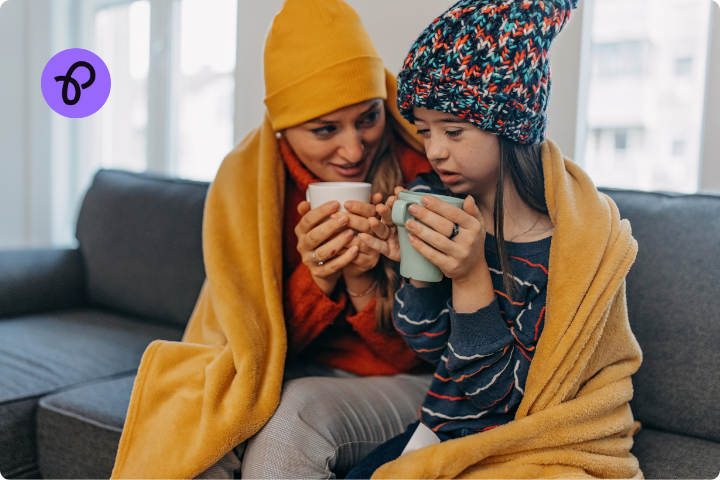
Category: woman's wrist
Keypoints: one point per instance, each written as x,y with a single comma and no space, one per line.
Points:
359,283
327,285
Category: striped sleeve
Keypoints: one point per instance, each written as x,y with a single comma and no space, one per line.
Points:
422,317
487,359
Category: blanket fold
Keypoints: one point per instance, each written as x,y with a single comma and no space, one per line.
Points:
575,419
196,400
193,401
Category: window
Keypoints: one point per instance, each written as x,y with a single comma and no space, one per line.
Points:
611,155
678,148
646,84
683,66
171,105
621,140
623,58
204,87
122,39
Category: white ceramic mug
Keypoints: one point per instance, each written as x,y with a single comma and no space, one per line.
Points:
323,192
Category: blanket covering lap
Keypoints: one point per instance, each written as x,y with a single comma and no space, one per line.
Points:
575,419
193,401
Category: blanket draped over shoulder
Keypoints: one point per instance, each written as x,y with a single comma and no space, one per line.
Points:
574,420
195,400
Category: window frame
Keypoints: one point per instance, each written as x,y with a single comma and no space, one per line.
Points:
162,15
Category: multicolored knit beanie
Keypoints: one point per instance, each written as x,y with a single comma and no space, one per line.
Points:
487,61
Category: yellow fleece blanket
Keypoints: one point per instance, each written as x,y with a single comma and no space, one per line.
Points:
574,420
195,400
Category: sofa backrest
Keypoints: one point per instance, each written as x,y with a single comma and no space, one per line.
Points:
673,293
141,240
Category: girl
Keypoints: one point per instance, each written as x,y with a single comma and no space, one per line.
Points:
476,84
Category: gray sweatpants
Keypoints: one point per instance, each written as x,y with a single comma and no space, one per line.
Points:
326,422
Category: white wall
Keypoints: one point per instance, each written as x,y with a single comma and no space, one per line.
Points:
569,89
710,162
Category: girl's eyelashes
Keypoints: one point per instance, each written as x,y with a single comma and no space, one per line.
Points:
424,132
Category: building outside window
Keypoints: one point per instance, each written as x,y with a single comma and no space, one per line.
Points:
620,58
683,66
646,94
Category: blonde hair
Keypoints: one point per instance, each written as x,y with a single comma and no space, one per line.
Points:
384,175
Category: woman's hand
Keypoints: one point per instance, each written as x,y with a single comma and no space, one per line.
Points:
327,240
336,238
361,214
385,238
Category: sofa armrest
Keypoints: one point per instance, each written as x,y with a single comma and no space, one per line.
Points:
39,280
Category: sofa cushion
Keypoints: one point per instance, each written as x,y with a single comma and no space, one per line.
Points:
44,353
34,281
17,442
78,430
674,309
667,455
141,240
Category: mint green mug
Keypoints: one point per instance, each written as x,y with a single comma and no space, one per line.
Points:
412,263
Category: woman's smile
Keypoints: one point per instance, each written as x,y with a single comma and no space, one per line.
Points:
350,170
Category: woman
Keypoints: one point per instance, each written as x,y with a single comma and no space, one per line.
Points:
331,117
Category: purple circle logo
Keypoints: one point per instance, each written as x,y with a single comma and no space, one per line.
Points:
75,83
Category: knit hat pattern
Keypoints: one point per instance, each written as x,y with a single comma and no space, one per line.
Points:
487,62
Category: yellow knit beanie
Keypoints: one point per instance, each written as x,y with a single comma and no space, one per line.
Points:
318,58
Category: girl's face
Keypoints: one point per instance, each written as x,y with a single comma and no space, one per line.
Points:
340,146
466,157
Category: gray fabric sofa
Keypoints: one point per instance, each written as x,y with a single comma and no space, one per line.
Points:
74,324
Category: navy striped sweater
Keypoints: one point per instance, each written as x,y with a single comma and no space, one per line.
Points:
482,358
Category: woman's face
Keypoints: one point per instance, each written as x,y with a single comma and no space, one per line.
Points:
340,146
465,157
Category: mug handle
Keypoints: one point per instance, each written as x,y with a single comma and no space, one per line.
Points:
400,213
307,195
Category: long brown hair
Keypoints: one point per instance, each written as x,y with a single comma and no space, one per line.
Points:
384,175
524,165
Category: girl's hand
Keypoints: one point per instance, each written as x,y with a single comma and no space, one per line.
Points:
385,239
327,240
461,258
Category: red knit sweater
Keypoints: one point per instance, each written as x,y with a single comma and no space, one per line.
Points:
328,330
